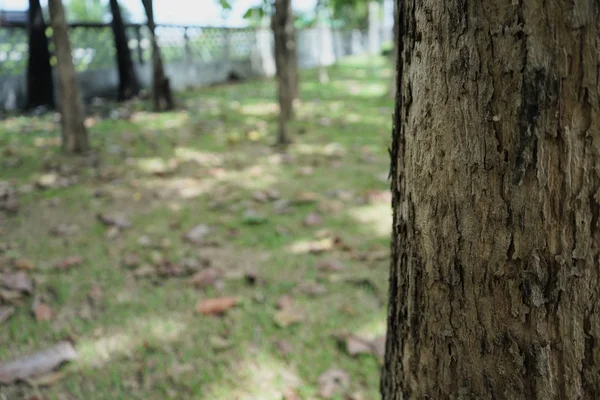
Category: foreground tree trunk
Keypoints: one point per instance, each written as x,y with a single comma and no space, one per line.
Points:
40,88
128,83
282,26
74,136
162,98
495,280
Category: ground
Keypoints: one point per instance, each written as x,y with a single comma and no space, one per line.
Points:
300,239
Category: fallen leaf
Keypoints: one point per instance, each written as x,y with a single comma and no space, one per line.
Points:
332,382
219,342
16,281
63,230
37,364
24,264
171,269
216,306
305,171
284,347
311,289
356,345
69,262
41,311
378,346
304,198
206,278
96,295
131,260
10,296
330,265
112,232
116,220
5,313
260,196
47,181
252,217
290,394
288,313
313,219
144,271
197,234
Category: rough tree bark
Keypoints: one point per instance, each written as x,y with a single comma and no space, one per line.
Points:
494,286
40,88
128,83
162,98
74,136
286,73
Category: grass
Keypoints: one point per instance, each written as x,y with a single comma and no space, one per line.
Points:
143,339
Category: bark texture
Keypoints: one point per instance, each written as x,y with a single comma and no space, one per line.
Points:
128,83
74,136
162,97
40,88
494,285
287,71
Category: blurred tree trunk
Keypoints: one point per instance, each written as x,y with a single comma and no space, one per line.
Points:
40,87
395,38
280,23
74,136
495,279
128,83
162,97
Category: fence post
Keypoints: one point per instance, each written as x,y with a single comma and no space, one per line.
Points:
138,37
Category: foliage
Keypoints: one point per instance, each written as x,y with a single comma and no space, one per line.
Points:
93,11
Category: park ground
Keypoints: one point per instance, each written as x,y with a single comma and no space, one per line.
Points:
126,245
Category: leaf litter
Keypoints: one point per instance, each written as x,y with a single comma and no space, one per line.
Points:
37,364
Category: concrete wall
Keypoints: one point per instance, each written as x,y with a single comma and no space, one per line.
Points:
318,46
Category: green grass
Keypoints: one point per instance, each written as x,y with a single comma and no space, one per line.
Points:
144,340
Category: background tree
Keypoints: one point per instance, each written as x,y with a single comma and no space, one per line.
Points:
40,88
494,283
162,98
282,25
74,136
128,83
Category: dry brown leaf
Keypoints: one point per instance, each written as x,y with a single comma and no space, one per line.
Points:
206,278
285,301
216,306
288,314
5,313
41,310
115,220
69,262
10,296
332,382
37,364
303,198
356,345
310,289
16,281
378,346
330,265
24,264
290,394
313,219
131,260
144,271
96,295
284,347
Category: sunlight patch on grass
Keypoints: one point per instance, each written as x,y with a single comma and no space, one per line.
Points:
262,378
260,109
377,217
202,158
98,352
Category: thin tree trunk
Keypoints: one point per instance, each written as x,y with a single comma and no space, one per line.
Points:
285,72
495,273
292,52
162,98
128,83
74,136
40,88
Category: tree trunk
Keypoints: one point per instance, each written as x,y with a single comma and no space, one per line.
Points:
162,98
495,278
74,136
292,52
40,88
285,72
128,83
